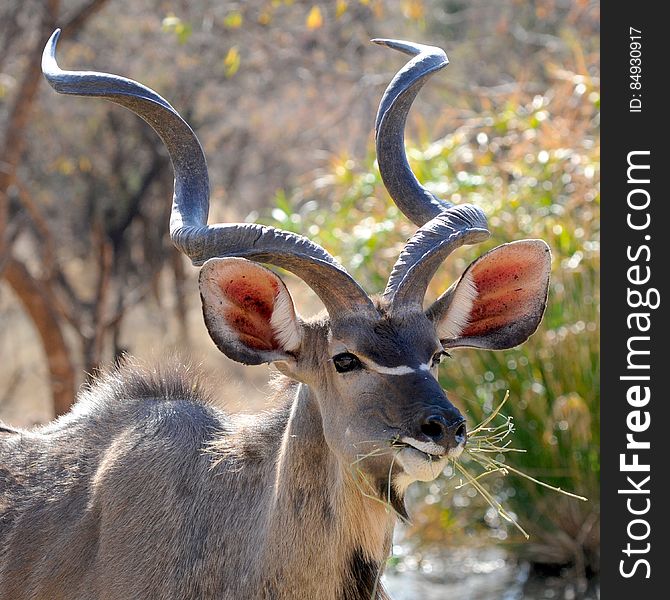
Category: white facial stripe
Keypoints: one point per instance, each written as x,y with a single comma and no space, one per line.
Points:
427,447
399,370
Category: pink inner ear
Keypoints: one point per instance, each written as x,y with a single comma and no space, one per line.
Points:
251,298
509,286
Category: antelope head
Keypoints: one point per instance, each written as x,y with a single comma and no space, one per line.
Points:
368,369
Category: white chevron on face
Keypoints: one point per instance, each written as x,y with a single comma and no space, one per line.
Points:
399,370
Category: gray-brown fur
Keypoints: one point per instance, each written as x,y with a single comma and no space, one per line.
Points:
138,493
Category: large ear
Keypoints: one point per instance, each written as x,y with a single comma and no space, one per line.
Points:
248,311
500,299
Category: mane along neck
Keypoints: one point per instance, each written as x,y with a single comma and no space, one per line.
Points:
324,533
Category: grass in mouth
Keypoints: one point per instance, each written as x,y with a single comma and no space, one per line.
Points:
486,443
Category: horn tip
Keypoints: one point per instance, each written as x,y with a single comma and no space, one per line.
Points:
400,45
49,64
53,40
412,48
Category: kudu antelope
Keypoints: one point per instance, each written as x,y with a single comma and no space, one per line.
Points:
146,490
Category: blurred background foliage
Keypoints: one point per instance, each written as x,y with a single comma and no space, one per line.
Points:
283,95
530,158
520,163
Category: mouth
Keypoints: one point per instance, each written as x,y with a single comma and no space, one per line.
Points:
430,450
422,461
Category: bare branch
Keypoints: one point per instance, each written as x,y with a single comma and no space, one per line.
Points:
70,309
37,304
105,257
15,137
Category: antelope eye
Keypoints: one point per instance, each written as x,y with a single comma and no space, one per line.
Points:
438,356
346,362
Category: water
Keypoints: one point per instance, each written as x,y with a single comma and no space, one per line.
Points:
479,574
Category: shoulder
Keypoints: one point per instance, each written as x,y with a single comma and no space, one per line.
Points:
161,398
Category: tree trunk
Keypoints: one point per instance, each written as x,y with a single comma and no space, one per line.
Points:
35,300
34,294
17,122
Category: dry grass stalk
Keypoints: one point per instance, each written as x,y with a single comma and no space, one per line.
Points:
486,440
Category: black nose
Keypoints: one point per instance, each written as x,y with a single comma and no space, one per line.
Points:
447,433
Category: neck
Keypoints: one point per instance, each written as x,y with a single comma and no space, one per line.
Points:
325,535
